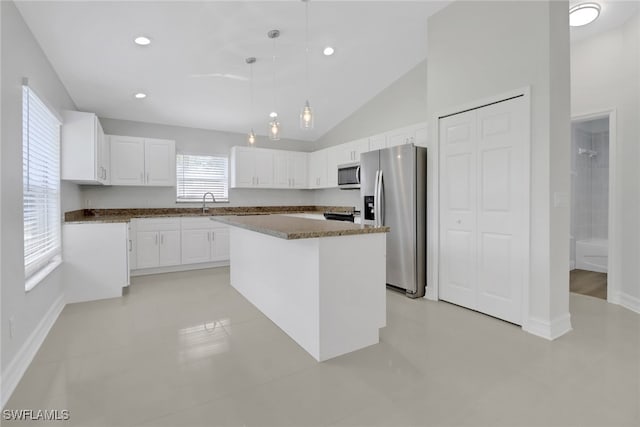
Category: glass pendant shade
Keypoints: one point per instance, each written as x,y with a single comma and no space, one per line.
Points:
306,116
251,137
274,129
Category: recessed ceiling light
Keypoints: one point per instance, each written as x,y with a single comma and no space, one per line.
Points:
142,41
583,14
328,51
140,95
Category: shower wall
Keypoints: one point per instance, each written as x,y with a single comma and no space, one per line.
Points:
589,181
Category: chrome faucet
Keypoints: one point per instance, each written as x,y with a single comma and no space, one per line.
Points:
205,209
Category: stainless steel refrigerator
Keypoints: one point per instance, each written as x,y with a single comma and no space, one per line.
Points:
393,192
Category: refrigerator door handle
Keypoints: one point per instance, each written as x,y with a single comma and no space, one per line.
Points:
375,200
381,199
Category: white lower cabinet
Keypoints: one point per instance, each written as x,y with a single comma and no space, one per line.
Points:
171,244
204,240
157,242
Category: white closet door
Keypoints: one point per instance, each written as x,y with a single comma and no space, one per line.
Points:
501,142
483,202
458,209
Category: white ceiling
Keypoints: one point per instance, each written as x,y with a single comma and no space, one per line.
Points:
90,45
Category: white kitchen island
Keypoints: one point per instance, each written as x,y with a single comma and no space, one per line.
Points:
321,282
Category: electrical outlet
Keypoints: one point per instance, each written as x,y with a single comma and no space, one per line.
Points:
12,326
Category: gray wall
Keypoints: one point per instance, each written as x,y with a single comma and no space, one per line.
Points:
605,74
22,57
401,104
189,140
483,49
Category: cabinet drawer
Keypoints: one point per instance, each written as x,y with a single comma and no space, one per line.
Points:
156,224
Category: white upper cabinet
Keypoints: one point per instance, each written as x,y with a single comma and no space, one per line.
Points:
377,142
251,167
317,176
85,152
142,161
160,162
415,134
290,169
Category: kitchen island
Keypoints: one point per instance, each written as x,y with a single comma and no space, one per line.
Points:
321,282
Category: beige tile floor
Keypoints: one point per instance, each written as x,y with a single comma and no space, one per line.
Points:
185,349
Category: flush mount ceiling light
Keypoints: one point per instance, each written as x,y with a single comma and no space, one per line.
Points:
583,14
328,51
140,95
142,41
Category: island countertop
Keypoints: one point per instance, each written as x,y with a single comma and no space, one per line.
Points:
290,228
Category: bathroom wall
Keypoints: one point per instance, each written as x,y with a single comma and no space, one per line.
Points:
589,181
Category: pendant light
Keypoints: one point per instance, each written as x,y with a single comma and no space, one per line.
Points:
251,137
306,115
274,124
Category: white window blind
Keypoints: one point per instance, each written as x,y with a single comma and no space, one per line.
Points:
41,183
198,174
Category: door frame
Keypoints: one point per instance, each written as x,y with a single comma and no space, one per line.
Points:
433,234
613,266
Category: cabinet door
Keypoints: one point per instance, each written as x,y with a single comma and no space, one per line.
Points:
243,167
298,170
104,155
196,246
421,135
317,169
334,158
147,253
377,142
400,137
358,147
127,160
281,169
264,168
220,244
160,162
169,247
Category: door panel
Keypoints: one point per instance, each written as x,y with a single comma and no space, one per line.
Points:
147,254
220,245
398,166
127,160
160,162
502,208
458,209
170,248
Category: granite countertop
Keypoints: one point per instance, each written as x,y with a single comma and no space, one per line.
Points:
125,215
286,227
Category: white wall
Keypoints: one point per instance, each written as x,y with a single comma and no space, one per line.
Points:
402,103
481,49
605,74
190,140
22,57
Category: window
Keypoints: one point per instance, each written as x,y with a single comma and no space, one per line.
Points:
198,174
41,187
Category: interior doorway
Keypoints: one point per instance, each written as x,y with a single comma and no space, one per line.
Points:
590,205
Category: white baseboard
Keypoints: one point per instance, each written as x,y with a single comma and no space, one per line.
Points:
548,329
175,268
18,366
625,300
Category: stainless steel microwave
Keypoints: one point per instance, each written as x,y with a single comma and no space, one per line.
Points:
349,176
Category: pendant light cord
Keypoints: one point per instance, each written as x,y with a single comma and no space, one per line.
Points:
306,12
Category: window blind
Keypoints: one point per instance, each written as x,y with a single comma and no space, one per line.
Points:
198,174
41,183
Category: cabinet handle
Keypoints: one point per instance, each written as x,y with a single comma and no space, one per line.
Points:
213,235
147,178
208,236
130,246
156,239
162,239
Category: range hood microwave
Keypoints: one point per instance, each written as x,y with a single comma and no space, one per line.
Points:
349,176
